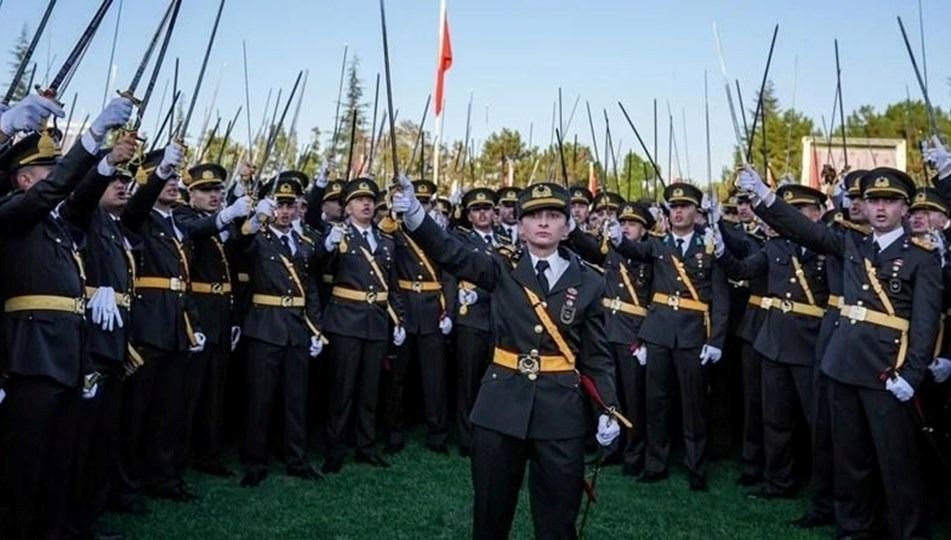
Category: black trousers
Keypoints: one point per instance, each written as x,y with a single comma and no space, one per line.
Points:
196,369
357,364
874,432
632,377
276,370
786,389
666,367
209,418
474,349
151,424
95,463
37,434
555,483
429,351
822,483
752,456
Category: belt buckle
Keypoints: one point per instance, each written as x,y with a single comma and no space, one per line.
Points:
371,297
417,287
858,313
786,306
673,302
80,305
175,284
615,304
217,288
287,301
766,303
529,364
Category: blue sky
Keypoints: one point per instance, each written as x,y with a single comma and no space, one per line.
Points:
514,54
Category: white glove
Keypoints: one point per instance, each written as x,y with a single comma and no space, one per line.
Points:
334,237
172,159
899,388
615,233
456,196
240,208
710,354
937,238
749,180
316,346
714,210
719,248
468,297
640,353
445,325
199,343
235,337
940,369
265,208
572,224
116,114
321,180
439,218
406,203
399,336
608,430
938,156
105,312
29,114
3,108
90,385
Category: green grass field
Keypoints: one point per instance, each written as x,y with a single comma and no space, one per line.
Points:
429,496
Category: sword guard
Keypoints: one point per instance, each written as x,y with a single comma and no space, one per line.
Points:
130,96
48,93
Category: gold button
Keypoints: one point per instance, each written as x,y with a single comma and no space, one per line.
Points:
859,302
864,287
792,280
538,329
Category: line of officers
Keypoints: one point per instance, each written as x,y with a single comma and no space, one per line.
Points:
126,305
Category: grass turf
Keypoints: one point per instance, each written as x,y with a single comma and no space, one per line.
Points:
424,495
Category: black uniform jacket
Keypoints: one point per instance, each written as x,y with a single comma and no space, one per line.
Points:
552,406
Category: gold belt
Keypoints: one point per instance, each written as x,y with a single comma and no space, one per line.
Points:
269,300
863,314
164,283
755,301
244,277
532,364
420,286
42,302
122,299
677,302
615,304
788,306
211,288
372,297
835,301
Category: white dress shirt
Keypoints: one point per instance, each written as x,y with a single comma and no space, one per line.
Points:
290,238
686,245
368,234
888,238
556,267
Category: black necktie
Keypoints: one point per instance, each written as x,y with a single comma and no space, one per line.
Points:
366,238
488,239
540,268
287,246
171,225
680,246
876,249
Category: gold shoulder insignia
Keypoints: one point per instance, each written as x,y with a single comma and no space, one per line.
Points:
307,239
594,267
656,234
863,229
926,245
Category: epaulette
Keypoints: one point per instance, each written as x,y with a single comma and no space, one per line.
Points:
594,267
464,230
657,234
730,219
307,239
862,229
507,251
926,245
385,235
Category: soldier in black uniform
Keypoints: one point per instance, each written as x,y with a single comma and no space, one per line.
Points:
878,353
429,306
605,206
549,332
208,224
165,329
473,329
581,206
795,305
110,276
357,319
691,296
282,329
627,292
507,228
42,284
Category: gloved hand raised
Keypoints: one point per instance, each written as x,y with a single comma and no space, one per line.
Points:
29,114
116,114
172,160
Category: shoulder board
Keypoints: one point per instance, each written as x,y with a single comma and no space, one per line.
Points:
594,267
307,239
657,234
863,229
730,219
926,245
462,229
388,236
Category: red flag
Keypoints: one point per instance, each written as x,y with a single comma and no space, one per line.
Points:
444,62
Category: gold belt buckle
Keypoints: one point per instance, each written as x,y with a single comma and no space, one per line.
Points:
766,303
175,284
786,306
217,288
616,304
674,302
80,305
417,287
287,301
371,297
529,364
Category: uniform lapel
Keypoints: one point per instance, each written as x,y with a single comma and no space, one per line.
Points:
525,274
571,278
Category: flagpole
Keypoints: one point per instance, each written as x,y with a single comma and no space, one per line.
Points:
441,100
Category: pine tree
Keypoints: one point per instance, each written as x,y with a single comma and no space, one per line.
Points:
19,53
